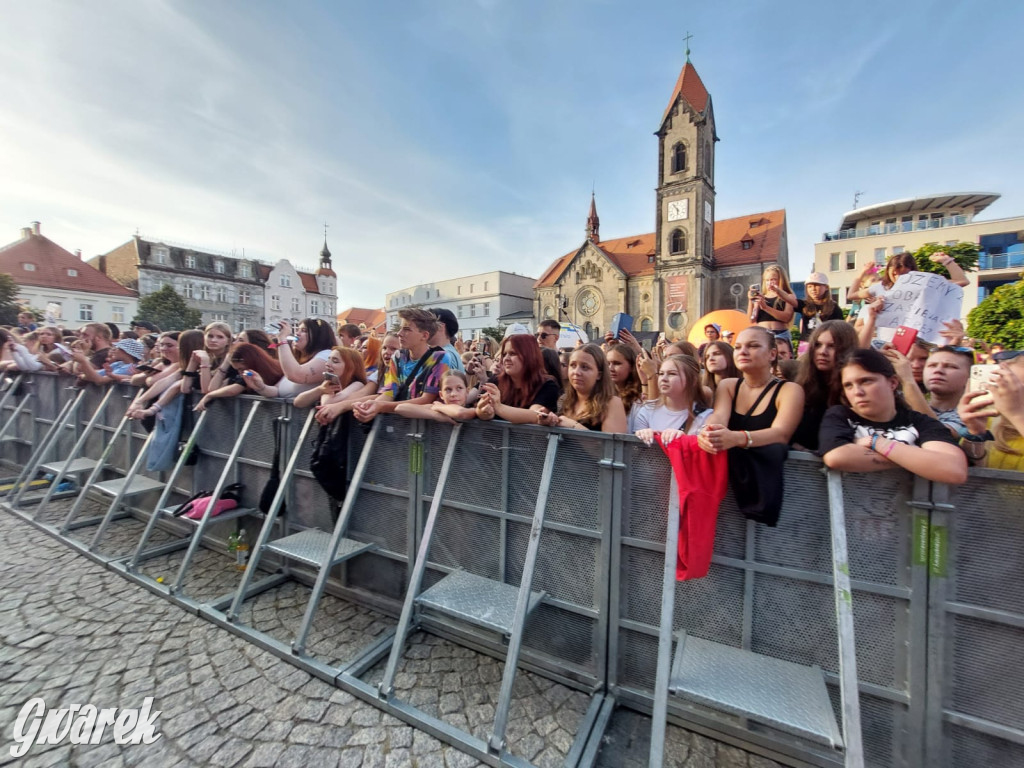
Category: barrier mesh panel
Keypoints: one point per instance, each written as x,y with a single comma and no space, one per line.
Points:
986,678
575,484
525,467
989,545
380,518
466,540
970,749
476,468
567,566
563,635
878,526
389,465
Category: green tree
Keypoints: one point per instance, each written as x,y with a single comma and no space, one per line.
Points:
167,310
496,332
999,319
964,254
9,307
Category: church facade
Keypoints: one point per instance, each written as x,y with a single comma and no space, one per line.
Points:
691,264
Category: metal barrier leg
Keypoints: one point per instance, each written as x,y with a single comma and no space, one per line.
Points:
10,390
122,491
66,413
848,691
93,477
66,465
222,481
515,643
668,607
333,556
268,523
386,687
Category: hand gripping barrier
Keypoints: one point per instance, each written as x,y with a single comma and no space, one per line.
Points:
934,578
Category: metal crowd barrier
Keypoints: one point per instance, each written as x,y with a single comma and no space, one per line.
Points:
936,573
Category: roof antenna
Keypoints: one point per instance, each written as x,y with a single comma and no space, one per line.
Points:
687,39
856,199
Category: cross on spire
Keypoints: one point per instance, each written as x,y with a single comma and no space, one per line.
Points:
687,39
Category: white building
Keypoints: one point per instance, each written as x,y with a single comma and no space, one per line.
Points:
49,276
293,295
478,301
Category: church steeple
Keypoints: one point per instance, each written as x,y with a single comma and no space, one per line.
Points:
593,222
325,256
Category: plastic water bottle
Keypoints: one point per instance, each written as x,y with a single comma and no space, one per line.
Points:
241,551
233,545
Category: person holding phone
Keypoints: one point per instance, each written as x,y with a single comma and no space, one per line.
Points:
249,367
345,383
771,305
818,307
1002,400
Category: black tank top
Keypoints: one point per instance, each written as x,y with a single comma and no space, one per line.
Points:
778,304
744,421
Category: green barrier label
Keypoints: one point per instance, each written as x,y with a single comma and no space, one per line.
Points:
939,545
921,540
416,458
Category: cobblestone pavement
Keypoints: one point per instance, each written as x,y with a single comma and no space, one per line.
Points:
73,632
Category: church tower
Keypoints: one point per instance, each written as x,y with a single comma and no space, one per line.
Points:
327,280
685,229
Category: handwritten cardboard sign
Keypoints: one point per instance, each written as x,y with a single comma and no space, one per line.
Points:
923,301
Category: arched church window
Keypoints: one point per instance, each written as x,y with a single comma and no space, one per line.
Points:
707,242
679,158
677,243
646,325
707,160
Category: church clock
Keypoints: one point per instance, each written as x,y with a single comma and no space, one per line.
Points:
678,210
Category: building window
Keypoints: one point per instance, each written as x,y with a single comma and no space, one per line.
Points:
243,296
458,290
189,291
218,267
851,259
204,292
461,308
219,317
487,310
314,307
239,325
160,255
879,255
650,258
707,242
243,270
72,273
898,249
485,286
678,158
707,162
747,244
222,293
677,243
471,286
275,303
190,261
835,295
296,306
646,326
85,311
833,262
117,313
28,266
286,281
472,310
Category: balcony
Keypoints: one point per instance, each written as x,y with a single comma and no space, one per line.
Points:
1012,257
893,229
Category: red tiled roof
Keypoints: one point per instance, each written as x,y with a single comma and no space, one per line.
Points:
309,282
763,230
690,86
326,272
371,318
51,268
631,254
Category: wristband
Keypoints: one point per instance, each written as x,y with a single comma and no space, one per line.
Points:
892,444
750,439
874,441
203,366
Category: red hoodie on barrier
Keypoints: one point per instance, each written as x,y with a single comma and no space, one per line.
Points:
702,479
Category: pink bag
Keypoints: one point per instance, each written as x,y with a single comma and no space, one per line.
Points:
199,507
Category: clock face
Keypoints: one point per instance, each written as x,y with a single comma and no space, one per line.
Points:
678,209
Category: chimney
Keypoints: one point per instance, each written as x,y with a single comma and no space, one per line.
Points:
35,227
25,232
78,254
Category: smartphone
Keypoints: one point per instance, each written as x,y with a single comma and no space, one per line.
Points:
904,339
331,378
64,351
877,344
621,322
755,289
272,329
980,375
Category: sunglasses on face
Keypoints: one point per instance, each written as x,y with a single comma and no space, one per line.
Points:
543,335
1007,354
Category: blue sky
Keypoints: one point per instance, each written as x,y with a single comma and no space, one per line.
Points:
447,137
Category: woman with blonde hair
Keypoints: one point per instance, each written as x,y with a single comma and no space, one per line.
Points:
680,409
772,305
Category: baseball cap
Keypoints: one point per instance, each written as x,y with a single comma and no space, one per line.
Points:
818,278
133,347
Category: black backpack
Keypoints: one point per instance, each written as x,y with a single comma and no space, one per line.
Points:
329,460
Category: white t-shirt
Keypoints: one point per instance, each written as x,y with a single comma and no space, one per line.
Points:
288,389
661,417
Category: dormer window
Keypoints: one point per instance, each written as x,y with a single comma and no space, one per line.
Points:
218,267
160,255
243,270
650,258
190,261
28,266
747,244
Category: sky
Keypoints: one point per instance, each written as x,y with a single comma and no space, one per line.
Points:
442,138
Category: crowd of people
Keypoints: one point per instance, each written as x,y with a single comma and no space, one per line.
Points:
833,389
